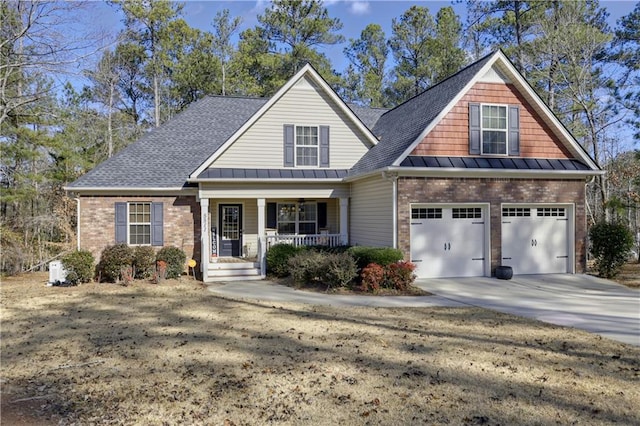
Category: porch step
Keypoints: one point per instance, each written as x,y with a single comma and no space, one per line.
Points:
230,266
240,271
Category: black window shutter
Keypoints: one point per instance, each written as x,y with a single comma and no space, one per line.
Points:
121,223
322,215
324,146
272,219
514,130
474,129
288,145
156,224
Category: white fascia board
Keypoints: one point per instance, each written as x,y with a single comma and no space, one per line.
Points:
239,180
307,69
130,190
489,173
446,110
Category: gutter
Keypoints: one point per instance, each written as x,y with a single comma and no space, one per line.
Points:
77,223
479,173
267,180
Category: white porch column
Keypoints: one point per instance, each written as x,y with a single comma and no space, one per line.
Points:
262,241
205,236
344,221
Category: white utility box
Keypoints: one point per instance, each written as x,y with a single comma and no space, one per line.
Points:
56,272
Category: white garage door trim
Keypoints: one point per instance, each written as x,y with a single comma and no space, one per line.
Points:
416,223
550,211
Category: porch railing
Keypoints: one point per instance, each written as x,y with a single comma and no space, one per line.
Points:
331,240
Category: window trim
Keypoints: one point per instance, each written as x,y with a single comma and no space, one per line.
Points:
297,220
129,223
296,146
506,130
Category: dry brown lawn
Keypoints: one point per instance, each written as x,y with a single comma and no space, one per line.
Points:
630,275
178,354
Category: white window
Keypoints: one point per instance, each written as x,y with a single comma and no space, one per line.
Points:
306,146
297,218
139,223
494,129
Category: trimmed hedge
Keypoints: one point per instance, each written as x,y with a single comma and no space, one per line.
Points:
113,260
278,258
79,266
175,259
331,269
144,261
381,255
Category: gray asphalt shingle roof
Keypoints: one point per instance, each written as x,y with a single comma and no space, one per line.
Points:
167,155
398,128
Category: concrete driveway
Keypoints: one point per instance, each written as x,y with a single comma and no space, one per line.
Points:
581,301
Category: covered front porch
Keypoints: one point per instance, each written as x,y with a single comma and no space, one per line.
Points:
239,228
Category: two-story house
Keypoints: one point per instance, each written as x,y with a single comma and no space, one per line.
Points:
473,173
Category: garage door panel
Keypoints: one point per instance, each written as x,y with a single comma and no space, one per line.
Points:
449,244
535,240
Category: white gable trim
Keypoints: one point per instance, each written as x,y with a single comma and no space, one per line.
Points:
569,141
307,70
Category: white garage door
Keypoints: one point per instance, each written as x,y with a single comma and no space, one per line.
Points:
535,240
448,241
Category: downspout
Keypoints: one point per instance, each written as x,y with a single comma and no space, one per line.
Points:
77,223
393,177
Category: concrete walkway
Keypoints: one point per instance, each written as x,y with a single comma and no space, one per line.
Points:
581,301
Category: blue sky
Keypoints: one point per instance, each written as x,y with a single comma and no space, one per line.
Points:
355,16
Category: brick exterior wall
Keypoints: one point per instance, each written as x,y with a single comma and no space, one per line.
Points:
181,222
450,137
495,192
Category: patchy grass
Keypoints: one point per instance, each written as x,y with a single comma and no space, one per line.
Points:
630,275
176,354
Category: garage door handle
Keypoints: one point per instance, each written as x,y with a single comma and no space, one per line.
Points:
416,260
506,258
562,257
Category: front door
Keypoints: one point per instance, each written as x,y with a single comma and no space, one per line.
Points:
230,229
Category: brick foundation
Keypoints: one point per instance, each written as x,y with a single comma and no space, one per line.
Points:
495,192
181,222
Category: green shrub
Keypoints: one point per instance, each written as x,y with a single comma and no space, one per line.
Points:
371,277
329,249
399,276
144,261
113,260
338,269
381,255
307,266
175,259
278,258
79,266
610,246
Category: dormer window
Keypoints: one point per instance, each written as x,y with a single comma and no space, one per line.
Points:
306,146
494,129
